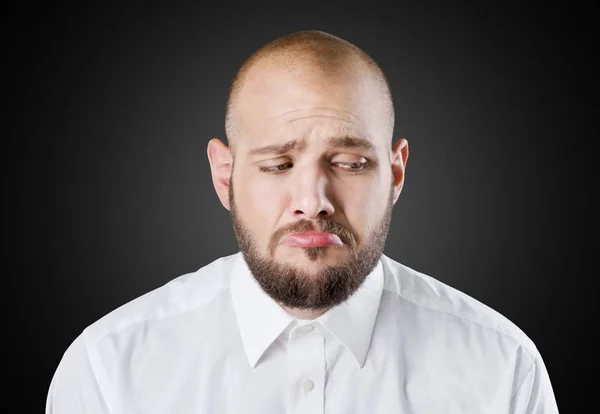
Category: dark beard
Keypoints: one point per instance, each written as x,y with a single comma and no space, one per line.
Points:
333,285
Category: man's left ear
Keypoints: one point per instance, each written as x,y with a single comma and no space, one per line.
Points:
399,158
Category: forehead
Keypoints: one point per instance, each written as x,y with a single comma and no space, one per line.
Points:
278,103
320,121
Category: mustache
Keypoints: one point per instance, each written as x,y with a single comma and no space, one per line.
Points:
325,225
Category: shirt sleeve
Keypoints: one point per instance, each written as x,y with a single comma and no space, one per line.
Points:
74,388
535,394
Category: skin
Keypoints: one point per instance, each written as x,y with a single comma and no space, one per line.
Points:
353,187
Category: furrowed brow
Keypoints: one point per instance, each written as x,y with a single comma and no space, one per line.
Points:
350,142
277,149
333,142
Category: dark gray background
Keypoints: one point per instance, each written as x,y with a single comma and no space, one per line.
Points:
110,190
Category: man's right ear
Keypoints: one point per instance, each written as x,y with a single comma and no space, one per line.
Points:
221,163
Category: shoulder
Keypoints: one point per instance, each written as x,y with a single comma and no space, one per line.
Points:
443,301
89,366
179,296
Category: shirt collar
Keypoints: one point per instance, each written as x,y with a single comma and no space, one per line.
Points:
261,320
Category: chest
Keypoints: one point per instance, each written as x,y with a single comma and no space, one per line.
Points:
316,374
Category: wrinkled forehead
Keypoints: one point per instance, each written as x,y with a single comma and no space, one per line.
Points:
315,134
278,102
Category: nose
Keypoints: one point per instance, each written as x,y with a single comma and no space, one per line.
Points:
309,198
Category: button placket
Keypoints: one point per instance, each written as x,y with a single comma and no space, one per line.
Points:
306,328
307,371
307,384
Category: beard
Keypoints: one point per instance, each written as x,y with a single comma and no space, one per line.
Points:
296,288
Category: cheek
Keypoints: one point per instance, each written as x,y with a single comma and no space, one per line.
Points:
263,197
355,204
363,206
260,205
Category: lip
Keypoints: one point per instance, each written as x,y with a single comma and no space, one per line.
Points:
312,239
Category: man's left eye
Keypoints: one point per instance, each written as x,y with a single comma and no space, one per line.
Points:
351,165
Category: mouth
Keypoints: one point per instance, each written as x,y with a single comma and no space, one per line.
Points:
312,239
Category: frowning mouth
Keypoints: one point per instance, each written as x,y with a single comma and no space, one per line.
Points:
312,239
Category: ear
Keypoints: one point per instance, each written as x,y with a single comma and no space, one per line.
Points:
399,158
221,163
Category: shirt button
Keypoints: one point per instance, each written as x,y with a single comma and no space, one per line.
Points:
307,385
306,328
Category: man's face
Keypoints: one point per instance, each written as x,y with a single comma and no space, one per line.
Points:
311,218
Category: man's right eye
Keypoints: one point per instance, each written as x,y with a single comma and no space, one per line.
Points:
275,169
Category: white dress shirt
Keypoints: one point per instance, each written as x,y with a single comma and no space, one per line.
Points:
212,341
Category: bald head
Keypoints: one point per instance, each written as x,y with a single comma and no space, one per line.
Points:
317,55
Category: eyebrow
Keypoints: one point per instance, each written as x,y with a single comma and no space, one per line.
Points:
333,142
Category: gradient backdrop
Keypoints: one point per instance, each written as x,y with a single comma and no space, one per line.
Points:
111,189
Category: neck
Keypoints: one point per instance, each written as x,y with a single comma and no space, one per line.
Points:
308,314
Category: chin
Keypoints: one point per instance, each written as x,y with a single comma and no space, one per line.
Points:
315,257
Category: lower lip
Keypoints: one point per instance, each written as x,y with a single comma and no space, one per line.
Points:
313,240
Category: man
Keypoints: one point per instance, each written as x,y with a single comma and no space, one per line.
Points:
309,316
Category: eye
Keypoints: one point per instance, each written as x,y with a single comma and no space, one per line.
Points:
350,163
276,169
354,166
